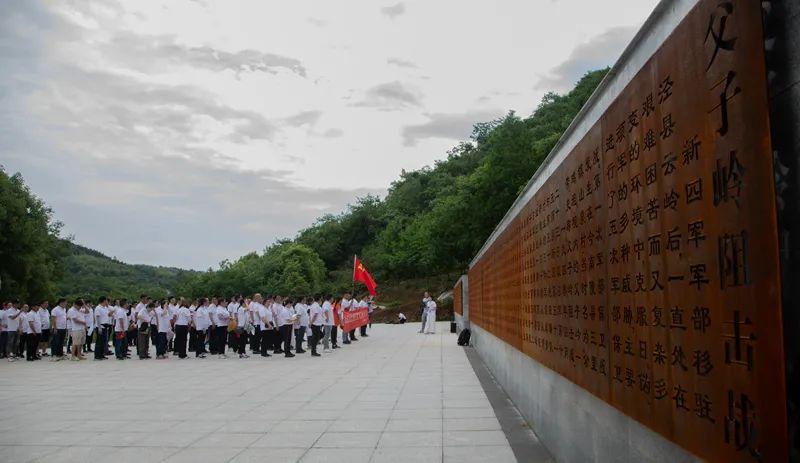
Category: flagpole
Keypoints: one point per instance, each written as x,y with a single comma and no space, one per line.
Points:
354,275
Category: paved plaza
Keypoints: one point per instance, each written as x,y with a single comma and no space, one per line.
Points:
396,396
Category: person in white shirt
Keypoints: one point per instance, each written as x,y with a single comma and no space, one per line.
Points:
300,325
121,320
354,305
102,323
316,321
345,306
423,310
88,314
212,328
242,313
366,302
172,308
133,339
263,317
31,328
44,338
12,319
77,329
58,321
183,318
144,324
192,329
401,318
430,317
3,339
221,319
328,325
282,314
163,319
202,322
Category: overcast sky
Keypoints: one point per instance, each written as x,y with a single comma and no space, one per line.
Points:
182,133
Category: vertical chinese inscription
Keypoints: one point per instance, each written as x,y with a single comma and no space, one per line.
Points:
645,267
458,306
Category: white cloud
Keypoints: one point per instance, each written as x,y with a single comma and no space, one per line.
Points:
390,96
447,126
395,10
598,52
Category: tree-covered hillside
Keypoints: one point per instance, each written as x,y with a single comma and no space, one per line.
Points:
86,272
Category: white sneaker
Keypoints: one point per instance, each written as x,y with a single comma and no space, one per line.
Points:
327,351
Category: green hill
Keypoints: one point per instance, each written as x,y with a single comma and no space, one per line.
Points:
87,272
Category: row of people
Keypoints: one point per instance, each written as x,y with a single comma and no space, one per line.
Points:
203,326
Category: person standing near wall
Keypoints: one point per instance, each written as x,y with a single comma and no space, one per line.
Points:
423,307
430,317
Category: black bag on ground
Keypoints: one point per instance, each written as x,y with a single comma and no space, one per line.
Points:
463,337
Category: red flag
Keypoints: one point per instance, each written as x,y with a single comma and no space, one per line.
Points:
361,274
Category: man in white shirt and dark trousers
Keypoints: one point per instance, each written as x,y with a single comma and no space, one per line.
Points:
101,322
162,320
12,319
316,321
58,322
301,325
367,302
240,334
423,307
263,318
44,338
32,327
330,325
144,324
284,327
120,318
220,319
202,322
183,318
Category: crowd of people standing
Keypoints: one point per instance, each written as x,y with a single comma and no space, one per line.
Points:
204,326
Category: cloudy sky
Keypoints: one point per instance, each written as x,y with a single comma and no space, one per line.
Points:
182,133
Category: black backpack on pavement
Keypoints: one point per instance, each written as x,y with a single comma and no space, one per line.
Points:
463,337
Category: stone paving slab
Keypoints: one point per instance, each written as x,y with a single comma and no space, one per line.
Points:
396,396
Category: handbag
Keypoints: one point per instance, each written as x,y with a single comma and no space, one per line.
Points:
232,325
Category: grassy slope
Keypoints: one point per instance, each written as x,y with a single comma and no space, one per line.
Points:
404,296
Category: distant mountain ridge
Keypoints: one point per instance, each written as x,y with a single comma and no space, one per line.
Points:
90,273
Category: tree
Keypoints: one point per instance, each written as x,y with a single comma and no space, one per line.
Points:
30,249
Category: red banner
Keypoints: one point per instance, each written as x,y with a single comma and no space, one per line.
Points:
355,318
